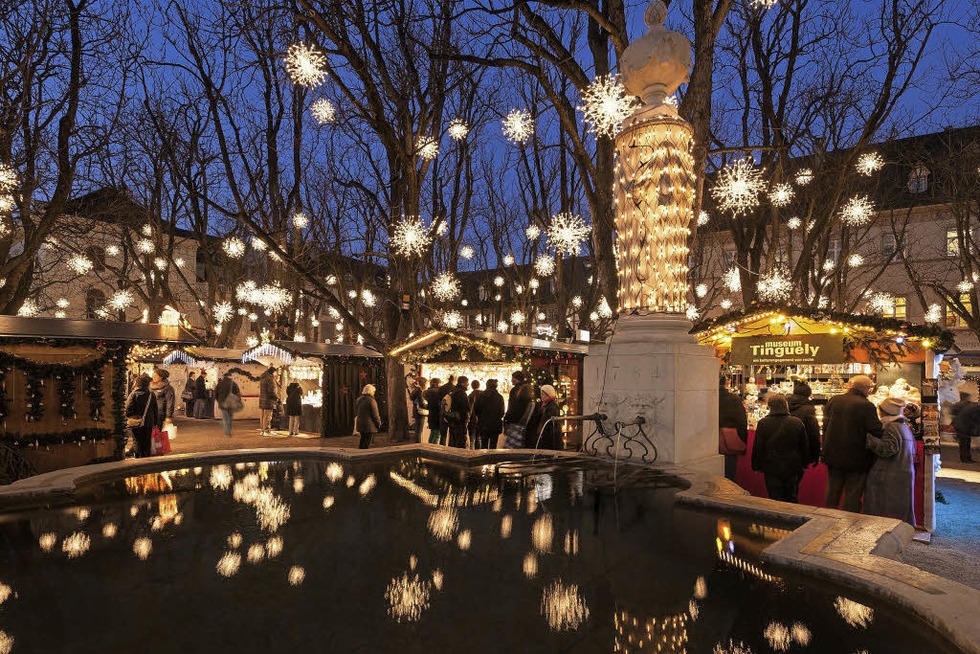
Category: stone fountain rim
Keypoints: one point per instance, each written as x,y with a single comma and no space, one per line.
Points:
850,549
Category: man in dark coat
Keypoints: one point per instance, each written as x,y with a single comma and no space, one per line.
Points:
731,414
268,398
445,390
471,427
435,411
367,420
488,413
458,415
801,407
200,395
848,419
780,451
962,427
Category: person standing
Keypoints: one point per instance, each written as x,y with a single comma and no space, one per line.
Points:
188,395
165,395
780,451
488,414
367,421
848,419
223,393
889,491
420,408
444,391
458,414
268,398
801,407
732,415
547,434
434,420
961,413
200,395
471,426
520,404
141,415
294,407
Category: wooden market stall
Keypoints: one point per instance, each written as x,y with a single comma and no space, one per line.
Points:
331,376
63,386
764,350
492,355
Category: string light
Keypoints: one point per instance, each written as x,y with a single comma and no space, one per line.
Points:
306,65
458,129
605,105
869,163
703,218
603,309
567,232
28,309
445,287
857,211
518,126
324,111
738,186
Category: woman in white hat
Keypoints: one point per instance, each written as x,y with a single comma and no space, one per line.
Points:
547,435
889,491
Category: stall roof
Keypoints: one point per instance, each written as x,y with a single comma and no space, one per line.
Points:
96,330
325,350
496,338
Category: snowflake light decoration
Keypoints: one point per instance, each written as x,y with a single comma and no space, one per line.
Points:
179,262
869,163
577,302
410,237
259,245
234,247
857,211
427,147
145,246
324,111
692,313
804,176
518,126
62,303
934,314
452,319
701,290
6,202
467,252
509,260
605,105
368,298
604,310
222,312
517,318
794,223
732,280
458,129
855,260
829,265
738,186
502,326
272,297
147,230
28,309
881,303
781,194
80,264
763,5
498,281
774,286
160,264
121,299
532,232
445,287
726,304
544,265
8,177
566,232
306,65
703,218
300,220
534,284
442,228
965,286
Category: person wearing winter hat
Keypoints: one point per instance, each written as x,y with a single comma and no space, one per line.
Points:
848,419
889,490
961,425
800,406
545,430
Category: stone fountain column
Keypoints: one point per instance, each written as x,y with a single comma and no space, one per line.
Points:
651,366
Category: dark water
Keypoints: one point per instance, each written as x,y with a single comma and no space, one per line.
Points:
413,556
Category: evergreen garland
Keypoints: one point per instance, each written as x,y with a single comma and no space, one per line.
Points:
118,358
244,373
65,385
3,395
57,437
93,390
35,396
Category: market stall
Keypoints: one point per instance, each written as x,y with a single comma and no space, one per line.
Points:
213,363
767,349
490,355
63,386
331,377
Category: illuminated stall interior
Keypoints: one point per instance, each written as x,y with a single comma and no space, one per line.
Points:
490,355
769,348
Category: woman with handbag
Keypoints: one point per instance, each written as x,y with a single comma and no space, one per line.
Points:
519,407
229,399
141,415
294,407
188,395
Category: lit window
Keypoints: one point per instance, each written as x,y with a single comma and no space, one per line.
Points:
953,319
919,179
952,243
888,246
897,309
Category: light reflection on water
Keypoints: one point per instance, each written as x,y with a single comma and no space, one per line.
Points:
566,561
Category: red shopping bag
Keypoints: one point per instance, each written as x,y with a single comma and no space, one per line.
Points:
159,443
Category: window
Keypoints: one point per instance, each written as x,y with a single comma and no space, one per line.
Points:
899,308
952,243
833,250
482,291
201,267
94,300
954,319
888,246
919,179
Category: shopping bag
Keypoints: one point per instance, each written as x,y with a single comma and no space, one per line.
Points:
501,441
729,442
170,429
514,436
159,443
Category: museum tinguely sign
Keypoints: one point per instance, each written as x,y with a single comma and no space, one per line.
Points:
788,350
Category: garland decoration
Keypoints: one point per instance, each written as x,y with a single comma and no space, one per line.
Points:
244,373
93,390
35,396
65,385
76,436
3,395
118,358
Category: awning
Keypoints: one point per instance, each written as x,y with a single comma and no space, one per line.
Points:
492,346
93,330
